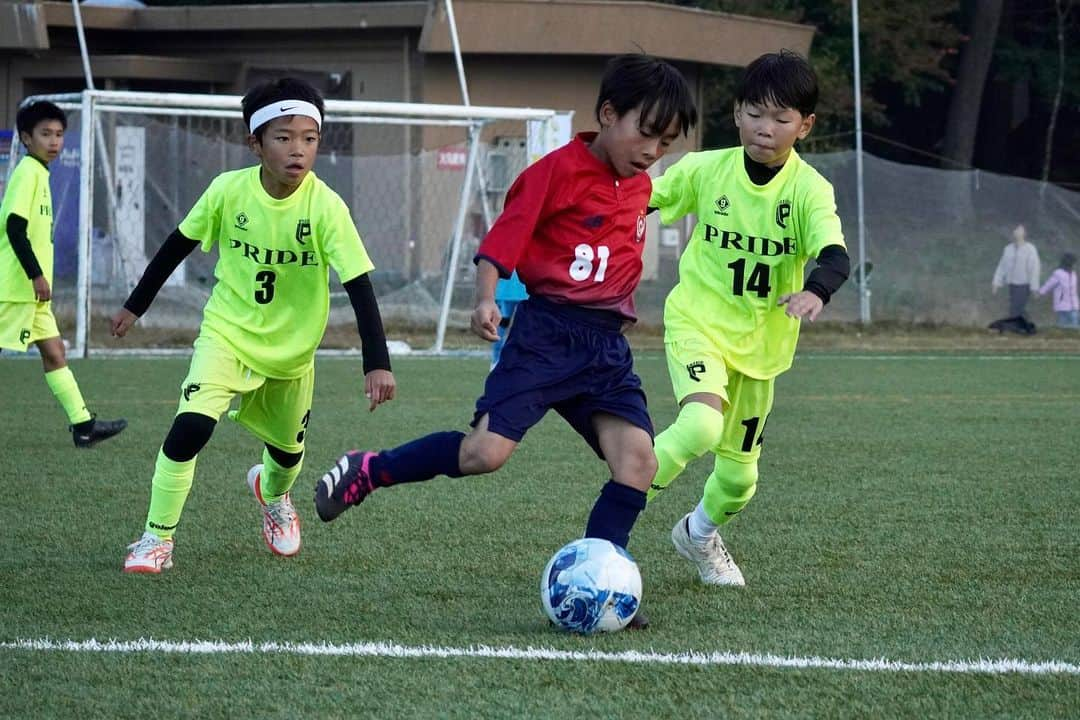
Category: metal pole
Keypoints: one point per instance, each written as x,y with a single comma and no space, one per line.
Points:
864,291
475,137
86,192
82,44
99,137
455,248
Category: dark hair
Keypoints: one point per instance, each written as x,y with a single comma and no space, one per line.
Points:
28,117
1068,260
286,88
658,88
784,79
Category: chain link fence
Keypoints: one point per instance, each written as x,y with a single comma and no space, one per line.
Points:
934,236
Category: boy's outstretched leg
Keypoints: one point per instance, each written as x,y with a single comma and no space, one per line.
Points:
358,473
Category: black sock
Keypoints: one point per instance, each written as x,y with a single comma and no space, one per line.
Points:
421,459
615,513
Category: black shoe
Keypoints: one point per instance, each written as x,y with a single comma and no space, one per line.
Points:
640,621
90,433
344,485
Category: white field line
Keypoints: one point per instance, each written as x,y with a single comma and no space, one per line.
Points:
392,650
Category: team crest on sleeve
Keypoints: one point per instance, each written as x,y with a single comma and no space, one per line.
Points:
783,212
640,227
722,205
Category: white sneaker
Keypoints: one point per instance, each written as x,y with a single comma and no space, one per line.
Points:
281,526
713,561
149,554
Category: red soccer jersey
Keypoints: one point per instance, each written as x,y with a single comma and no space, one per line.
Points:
573,230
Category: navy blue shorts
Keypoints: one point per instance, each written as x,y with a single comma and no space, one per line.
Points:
571,359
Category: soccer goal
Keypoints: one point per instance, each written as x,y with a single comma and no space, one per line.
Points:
423,183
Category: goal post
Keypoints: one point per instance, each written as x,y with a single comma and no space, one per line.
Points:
407,171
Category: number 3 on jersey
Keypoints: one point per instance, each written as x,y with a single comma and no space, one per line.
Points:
582,267
264,291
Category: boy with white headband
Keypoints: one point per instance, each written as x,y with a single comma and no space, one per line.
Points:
278,229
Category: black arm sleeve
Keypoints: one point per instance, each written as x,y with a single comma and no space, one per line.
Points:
20,243
833,268
369,323
168,258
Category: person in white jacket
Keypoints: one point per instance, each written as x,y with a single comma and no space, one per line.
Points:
1019,269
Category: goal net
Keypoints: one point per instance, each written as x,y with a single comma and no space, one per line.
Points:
422,181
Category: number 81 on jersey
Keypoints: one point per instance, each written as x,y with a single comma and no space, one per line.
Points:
582,267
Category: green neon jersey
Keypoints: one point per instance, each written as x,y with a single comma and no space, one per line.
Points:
272,297
749,248
26,195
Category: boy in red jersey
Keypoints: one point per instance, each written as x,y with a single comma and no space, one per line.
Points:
573,227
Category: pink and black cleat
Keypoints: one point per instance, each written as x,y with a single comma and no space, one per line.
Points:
347,483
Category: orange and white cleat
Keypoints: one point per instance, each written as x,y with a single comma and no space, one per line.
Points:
149,554
281,526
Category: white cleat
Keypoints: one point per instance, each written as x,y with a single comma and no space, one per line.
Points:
149,554
713,561
281,526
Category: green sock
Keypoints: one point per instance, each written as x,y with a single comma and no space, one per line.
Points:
171,484
63,386
276,480
728,489
696,431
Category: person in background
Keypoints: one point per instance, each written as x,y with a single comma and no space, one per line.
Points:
1063,284
26,269
1019,269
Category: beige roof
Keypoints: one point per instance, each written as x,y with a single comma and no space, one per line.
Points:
608,27
557,27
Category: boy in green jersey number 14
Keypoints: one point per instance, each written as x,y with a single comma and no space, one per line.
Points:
26,268
732,321
278,230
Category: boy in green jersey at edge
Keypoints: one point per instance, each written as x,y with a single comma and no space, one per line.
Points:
732,321
26,268
279,229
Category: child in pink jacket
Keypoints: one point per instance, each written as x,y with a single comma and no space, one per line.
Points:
1063,282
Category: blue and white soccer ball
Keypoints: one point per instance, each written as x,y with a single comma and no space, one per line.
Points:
591,585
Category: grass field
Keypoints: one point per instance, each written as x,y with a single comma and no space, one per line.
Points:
919,509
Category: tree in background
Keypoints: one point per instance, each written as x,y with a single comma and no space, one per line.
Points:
1061,12
962,125
1030,116
904,43
955,83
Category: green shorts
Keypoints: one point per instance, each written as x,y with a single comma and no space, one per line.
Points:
275,411
697,367
24,323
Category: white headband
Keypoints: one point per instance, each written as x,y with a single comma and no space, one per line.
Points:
281,108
